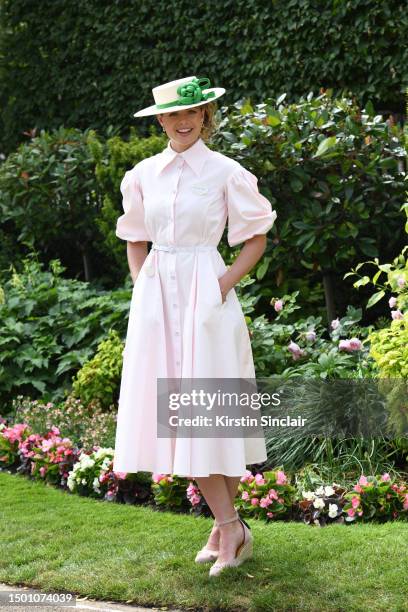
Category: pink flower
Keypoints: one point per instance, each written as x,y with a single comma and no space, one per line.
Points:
360,513
392,302
385,477
273,494
295,350
335,323
195,499
281,500
247,476
401,281
355,502
121,475
269,514
254,501
344,345
311,335
363,480
265,502
355,344
278,305
358,488
43,471
351,512
259,479
55,430
405,505
396,315
245,495
281,477
158,477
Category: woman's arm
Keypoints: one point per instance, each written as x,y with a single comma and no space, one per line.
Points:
136,254
249,255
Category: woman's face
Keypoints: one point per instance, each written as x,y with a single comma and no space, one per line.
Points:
183,127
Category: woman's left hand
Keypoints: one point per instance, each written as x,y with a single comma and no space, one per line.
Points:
224,288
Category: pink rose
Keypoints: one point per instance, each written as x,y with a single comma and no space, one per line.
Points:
278,305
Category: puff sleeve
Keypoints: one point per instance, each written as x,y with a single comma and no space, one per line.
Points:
131,225
249,212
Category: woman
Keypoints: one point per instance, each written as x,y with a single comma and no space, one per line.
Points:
185,319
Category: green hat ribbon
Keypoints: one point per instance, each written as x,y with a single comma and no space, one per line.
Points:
191,93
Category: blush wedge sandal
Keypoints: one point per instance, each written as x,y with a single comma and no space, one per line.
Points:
243,552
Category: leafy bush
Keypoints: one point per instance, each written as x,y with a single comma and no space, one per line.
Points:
331,170
50,326
50,201
86,425
99,378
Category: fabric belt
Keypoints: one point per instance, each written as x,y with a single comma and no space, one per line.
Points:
150,266
176,248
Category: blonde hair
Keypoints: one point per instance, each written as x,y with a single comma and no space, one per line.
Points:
209,123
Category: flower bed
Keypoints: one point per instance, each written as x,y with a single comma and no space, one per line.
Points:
268,495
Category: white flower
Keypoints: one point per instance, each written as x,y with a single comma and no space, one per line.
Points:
95,485
103,452
309,495
329,491
85,461
71,481
316,522
318,502
333,509
83,481
320,491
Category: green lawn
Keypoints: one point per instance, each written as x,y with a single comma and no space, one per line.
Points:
55,540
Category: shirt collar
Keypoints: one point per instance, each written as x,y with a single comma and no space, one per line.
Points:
195,156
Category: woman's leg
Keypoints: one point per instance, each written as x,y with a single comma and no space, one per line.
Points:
219,492
232,483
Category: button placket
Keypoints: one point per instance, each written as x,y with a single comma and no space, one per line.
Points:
173,278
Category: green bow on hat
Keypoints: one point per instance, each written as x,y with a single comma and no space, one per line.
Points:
191,93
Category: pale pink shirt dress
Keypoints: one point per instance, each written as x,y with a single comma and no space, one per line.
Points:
178,326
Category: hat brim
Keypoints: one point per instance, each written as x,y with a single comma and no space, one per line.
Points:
153,110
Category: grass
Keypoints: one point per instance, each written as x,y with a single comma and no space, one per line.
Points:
54,540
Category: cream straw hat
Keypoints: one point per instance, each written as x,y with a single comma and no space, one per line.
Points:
183,93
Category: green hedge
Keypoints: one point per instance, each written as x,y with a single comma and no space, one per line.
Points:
91,64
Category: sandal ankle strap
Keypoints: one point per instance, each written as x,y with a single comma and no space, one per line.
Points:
230,520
